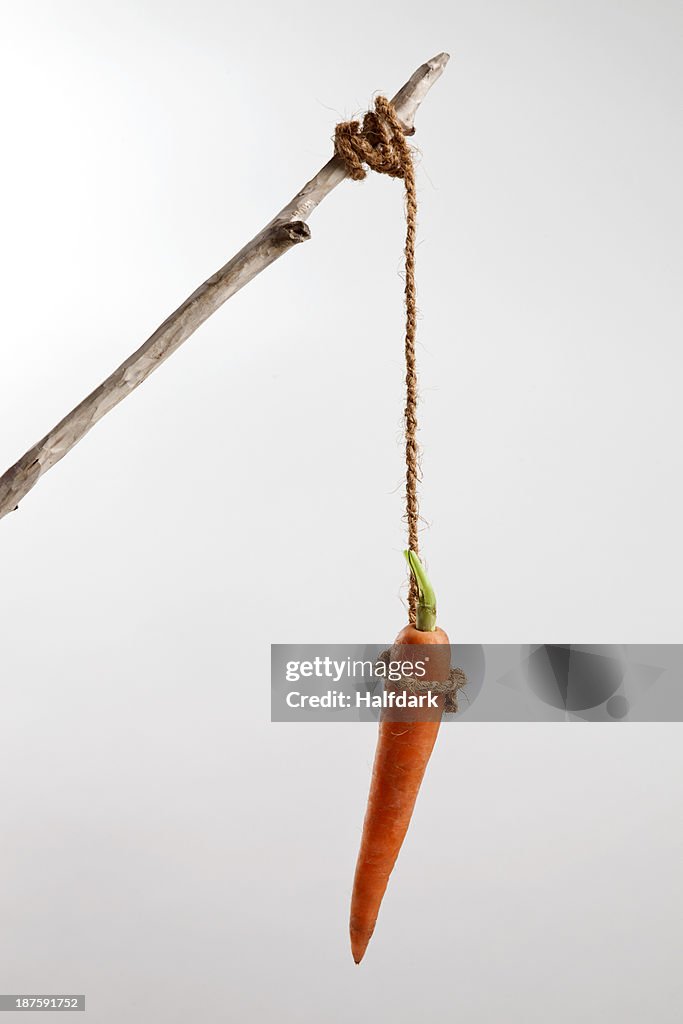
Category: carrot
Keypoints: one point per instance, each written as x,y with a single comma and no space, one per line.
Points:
403,749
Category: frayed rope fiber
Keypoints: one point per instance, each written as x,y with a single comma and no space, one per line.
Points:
379,143
449,687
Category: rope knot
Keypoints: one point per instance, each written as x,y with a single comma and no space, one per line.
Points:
379,142
450,687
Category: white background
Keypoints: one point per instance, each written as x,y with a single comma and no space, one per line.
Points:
165,849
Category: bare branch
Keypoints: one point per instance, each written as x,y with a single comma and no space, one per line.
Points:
286,230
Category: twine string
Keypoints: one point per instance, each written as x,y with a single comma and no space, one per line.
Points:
380,144
449,688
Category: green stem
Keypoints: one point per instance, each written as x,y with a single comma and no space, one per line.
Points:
426,599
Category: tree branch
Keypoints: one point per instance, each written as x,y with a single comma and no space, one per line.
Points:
287,229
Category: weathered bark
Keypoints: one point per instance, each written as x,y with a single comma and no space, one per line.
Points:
287,229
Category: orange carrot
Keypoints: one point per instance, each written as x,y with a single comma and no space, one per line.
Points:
404,746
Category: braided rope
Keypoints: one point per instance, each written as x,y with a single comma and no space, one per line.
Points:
379,143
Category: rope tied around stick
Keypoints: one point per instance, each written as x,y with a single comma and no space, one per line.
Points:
380,144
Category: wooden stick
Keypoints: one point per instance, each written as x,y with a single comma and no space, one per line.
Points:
287,229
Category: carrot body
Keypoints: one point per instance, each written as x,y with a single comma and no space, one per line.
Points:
403,750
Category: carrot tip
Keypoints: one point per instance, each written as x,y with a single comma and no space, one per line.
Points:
358,947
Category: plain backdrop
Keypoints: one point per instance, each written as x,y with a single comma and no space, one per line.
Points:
165,849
